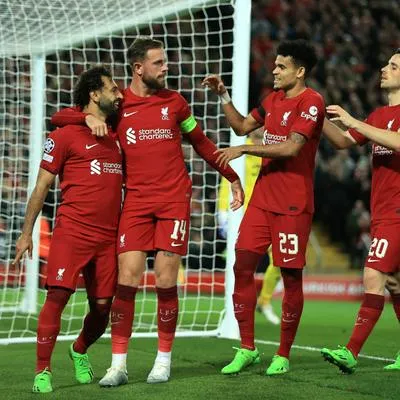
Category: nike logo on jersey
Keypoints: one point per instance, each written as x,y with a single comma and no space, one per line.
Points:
289,259
129,114
88,147
173,244
372,260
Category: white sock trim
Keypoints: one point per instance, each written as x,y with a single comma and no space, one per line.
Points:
118,360
164,356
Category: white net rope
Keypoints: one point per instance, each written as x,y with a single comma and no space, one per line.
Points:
198,37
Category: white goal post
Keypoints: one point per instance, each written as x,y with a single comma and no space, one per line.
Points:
43,48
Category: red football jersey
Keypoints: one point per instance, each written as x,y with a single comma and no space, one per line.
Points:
150,136
385,190
286,185
90,172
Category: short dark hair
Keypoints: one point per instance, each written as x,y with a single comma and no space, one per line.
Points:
302,52
397,51
140,46
89,81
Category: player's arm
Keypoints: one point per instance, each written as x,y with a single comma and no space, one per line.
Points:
376,135
74,116
207,150
44,181
240,124
287,149
339,138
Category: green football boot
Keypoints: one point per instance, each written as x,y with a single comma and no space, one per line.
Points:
342,357
395,366
42,382
243,359
83,368
279,365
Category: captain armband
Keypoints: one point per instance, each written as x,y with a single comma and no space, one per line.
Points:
188,124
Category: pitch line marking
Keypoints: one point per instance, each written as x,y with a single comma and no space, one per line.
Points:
309,348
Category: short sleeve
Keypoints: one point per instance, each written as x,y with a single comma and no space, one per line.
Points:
310,116
258,114
55,151
357,136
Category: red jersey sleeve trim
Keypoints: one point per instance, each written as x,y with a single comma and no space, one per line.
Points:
47,167
358,137
255,113
206,149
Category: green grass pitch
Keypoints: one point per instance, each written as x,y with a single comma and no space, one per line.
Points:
197,362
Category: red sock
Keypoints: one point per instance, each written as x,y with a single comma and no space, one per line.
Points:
245,295
94,325
49,325
168,306
370,311
292,308
122,313
396,304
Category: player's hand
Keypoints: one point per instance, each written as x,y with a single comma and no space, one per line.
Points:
215,83
97,126
23,244
228,154
341,115
237,195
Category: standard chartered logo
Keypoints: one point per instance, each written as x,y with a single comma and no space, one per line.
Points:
130,136
107,168
95,168
147,134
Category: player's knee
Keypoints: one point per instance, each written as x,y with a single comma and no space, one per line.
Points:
374,281
101,308
58,295
129,275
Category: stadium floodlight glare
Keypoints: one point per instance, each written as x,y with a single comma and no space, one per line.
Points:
44,47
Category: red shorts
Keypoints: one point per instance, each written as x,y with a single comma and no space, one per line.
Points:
384,252
154,226
288,235
96,259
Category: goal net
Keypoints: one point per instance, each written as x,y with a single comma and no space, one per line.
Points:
44,47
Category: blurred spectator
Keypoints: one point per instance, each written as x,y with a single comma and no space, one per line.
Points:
357,228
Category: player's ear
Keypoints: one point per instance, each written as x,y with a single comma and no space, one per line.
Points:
94,95
138,68
301,72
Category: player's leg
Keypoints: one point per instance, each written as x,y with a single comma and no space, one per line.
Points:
135,238
61,283
166,267
368,315
253,240
47,331
393,285
94,325
290,236
171,238
100,280
383,259
131,267
271,278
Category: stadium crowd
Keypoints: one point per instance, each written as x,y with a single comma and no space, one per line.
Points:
354,38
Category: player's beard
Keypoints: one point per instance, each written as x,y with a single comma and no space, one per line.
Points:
153,83
108,107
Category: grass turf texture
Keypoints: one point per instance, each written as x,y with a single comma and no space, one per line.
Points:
197,362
